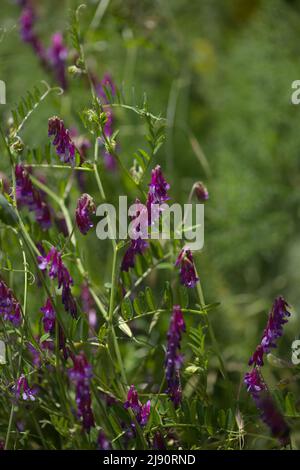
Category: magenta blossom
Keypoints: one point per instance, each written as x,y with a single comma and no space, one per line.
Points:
29,196
81,375
22,389
10,308
85,208
174,360
65,147
201,191
188,275
102,442
88,305
138,244
57,54
274,329
49,316
142,412
269,412
57,270
158,191
28,35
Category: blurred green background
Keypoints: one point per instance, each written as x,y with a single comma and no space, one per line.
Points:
221,73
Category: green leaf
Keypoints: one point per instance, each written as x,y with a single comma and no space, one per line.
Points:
136,306
150,298
7,214
126,309
168,296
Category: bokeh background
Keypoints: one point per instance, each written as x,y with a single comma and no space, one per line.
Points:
221,73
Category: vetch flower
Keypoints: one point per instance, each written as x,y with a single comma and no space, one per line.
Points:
57,270
49,316
103,89
102,442
269,412
57,54
201,191
85,208
29,196
81,375
10,308
88,305
274,329
188,275
28,35
158,190
22,389
173,361
138,244
65,147
142,412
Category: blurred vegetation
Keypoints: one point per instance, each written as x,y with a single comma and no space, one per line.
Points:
221,72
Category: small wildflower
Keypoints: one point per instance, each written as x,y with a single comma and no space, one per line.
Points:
188,275
201,191
49,316
174,360
27,195
88,305
142,412
57,54
28,35
102,442
158,441
85,208
138,245
103,89
269,412
10,308
158,190
274,329
57,270
81,375
65,147
22,389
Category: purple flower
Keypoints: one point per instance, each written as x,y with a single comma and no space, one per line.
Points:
254,382
102,442
158,191
272,417
137,244
85,208
57,54
174,360
36,355
88,305
28,35
158,441
81,375
269,412
65,147
49,316
136,247
187,269
57,270
105,87
27,195
10,308
273,331
22,389
201,191
142,412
